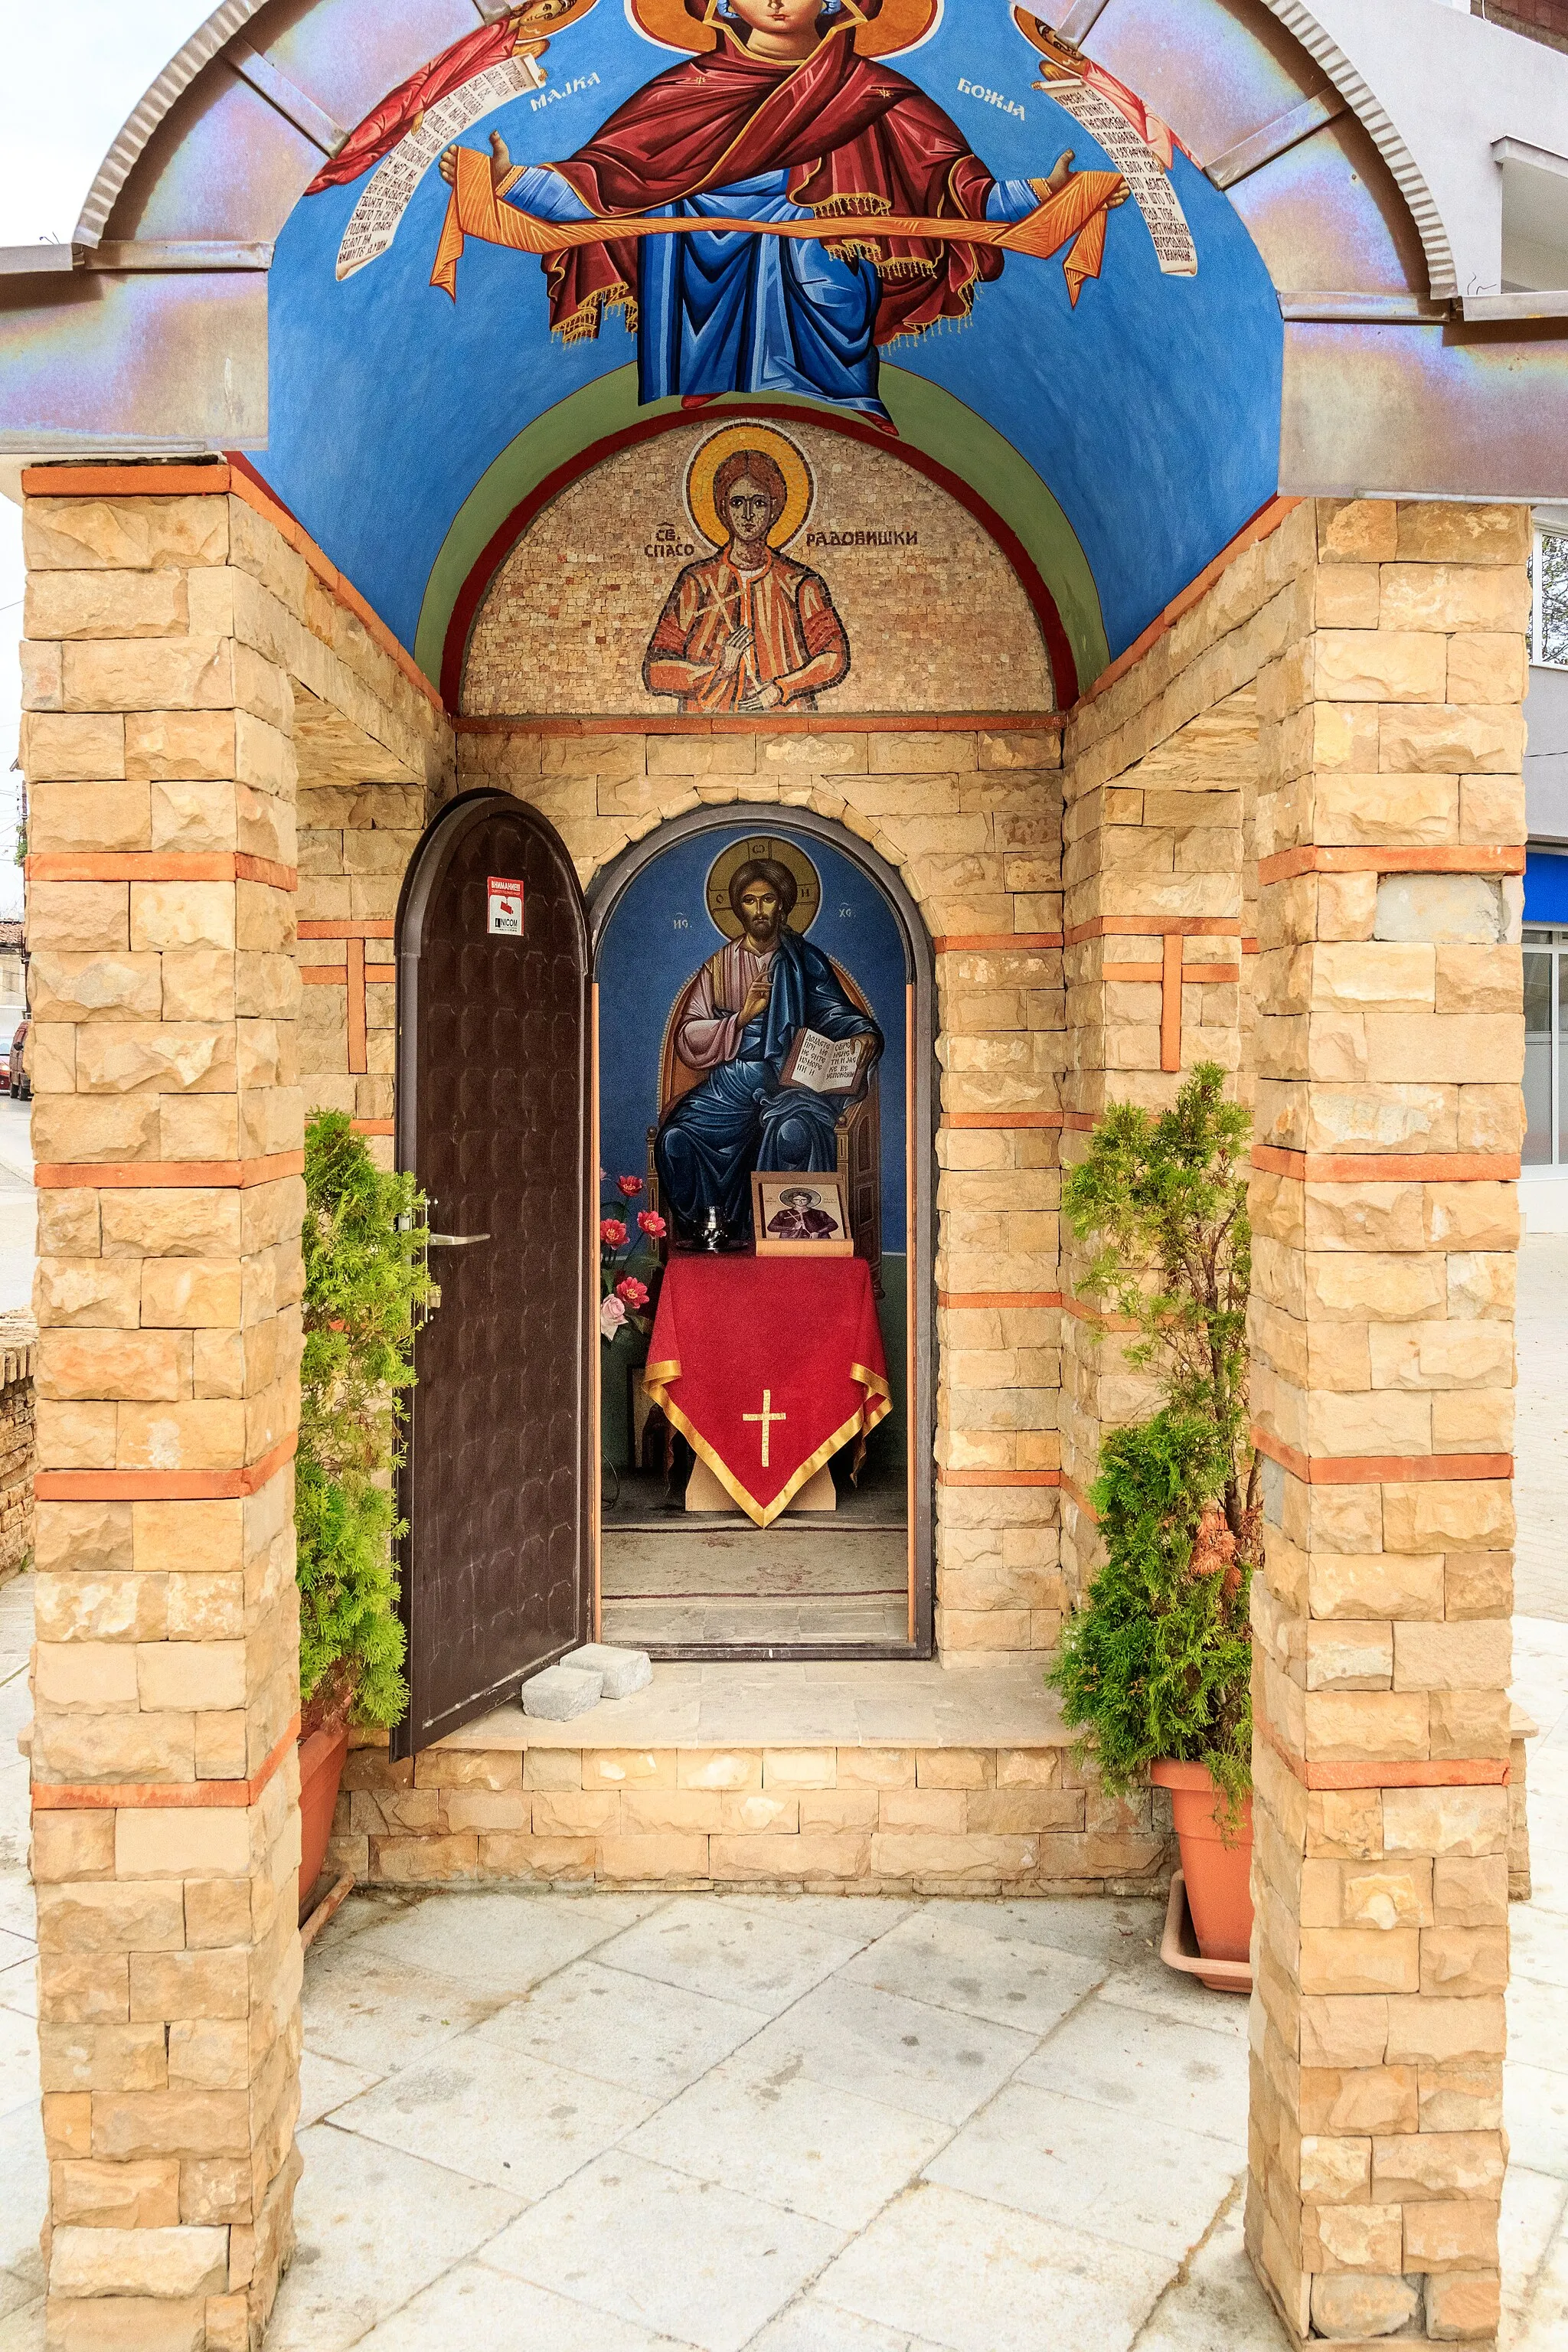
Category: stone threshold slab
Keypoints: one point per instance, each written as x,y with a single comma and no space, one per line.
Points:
876,1704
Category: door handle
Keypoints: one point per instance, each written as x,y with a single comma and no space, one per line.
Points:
455,1241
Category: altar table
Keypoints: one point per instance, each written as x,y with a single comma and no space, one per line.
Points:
767,1366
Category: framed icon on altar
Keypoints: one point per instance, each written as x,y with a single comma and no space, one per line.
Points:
800,1216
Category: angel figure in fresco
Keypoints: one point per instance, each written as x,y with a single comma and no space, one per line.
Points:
748,630
740,1016
783,123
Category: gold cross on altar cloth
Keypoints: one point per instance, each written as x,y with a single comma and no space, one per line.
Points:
767,1417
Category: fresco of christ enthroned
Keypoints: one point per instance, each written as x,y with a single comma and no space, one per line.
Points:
725,1107
789,116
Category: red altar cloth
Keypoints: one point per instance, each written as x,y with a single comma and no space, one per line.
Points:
767,1366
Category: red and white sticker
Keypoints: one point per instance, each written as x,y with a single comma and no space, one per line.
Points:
505,908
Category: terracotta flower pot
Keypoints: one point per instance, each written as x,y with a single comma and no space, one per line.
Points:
321,1755
1219,1894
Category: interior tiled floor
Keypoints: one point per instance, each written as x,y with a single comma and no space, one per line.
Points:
627,2124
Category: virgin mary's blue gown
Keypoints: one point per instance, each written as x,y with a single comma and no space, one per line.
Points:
721,313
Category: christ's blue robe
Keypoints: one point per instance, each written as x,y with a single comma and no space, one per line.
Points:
738,1117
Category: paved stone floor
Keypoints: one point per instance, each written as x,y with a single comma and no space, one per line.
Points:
627,2124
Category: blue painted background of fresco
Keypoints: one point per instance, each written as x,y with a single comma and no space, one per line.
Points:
661,932
388,404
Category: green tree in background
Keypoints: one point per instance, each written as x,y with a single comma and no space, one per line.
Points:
1157,1660
367,1282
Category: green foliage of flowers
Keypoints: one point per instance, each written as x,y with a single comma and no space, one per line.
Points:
366,1284
1157,1660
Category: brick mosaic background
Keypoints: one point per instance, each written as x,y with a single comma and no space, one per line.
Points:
567,620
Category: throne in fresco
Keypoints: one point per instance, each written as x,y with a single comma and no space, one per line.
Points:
859,1130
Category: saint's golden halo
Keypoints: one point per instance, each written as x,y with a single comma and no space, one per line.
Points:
784,852
900,25
790,459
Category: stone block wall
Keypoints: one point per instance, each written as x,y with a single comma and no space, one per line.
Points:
178,626
18,1359
1391,825
845,1820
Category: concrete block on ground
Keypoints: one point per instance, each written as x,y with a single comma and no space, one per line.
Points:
622,1672
562,1693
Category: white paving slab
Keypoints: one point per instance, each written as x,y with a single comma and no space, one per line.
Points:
627,2029
477,2309
500,1941
363,2008
902,2052
801,2144
497,2116
676,2255
955,1961
374,2227
1054,2157
1137,2064
978,2278
762,1954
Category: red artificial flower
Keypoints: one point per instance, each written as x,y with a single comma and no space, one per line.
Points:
628,1187
654,1227
634,1292
612,1232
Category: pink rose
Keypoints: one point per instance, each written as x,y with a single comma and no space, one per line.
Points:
612,1232
628,1187
653,1226
612,1315
633,1292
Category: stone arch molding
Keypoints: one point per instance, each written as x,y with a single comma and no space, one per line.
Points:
204,52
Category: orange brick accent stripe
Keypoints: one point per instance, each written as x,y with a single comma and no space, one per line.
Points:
240,478
1001,1121
996,942
782,722
1153,927
1150,973
1314,1772
151,1796
375,1126
1264,523
162,1486
945,1477
164,1175
1287,863
1082,1312
155,866
1070,1487
381,974
1388,1167
341,927
335,975
1170,1005
358,1062
1382,1469
963,1298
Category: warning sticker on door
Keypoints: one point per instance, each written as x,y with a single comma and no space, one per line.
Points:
506,907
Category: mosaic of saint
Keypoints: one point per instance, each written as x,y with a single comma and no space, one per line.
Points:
853,212
747,630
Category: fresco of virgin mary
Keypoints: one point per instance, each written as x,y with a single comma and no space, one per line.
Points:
782,115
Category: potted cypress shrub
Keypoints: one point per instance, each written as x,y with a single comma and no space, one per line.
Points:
367,1280
1156,1665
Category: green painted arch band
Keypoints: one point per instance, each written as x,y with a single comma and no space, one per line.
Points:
931,423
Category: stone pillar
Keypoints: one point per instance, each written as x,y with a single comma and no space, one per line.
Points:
1391,824
167,1126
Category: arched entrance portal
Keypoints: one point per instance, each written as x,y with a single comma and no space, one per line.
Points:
686,1569
516,1550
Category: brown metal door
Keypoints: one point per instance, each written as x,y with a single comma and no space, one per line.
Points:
492,1117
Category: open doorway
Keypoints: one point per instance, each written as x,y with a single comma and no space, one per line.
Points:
764,1097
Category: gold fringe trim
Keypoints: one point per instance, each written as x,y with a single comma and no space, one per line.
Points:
584,325
862,1420
851,207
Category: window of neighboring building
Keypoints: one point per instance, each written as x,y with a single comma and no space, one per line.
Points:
1549,603
1546,1048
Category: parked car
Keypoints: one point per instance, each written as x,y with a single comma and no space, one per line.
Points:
16,1066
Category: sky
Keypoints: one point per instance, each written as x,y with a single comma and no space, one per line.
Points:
70,74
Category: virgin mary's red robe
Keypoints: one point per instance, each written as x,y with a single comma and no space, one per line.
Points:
857,138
